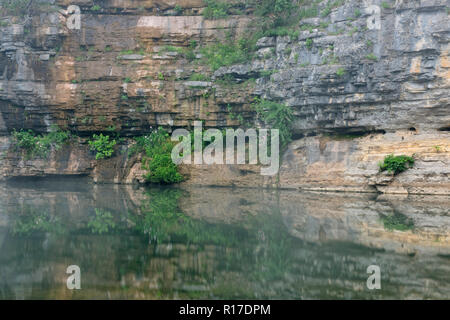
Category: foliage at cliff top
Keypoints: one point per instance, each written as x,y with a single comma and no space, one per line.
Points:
216,9
278,9
273,18
229,52
157,160
396,164
39,145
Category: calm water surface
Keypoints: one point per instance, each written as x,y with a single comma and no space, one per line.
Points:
218,243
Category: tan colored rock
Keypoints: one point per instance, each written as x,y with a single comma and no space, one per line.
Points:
324,163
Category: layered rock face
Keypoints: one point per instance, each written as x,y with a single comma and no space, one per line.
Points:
362,85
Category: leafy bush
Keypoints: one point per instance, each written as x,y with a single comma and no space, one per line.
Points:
103,146
282,32
169,48
309,12
396,164
397,221
372,57
273,7
277,13
325,12
56,137
26,140
385,5
309,43
157,148
330,6
198,77
178,9
96,7
216,9
229,52
277,115
340,72
162,170
39,145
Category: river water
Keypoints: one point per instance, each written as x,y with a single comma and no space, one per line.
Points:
218,243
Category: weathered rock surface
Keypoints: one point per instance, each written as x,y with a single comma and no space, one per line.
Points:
330,164
127,68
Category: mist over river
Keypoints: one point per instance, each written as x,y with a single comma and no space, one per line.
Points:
218,243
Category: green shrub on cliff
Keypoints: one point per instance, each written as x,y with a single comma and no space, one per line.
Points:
275,14
372,57
340,72
229,52
216,9
332,4
385,5
396,164
199,77
272,7
161,169
178,9
95,8
309,12
26,140
397,221
102,145
277,116
157,160
39,145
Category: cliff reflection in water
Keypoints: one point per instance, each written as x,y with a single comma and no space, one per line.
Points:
218,243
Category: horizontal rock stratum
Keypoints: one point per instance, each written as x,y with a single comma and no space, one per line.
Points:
357,93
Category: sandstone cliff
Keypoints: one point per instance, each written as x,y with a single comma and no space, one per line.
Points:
358,93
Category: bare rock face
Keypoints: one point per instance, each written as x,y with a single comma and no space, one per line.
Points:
135,65
351,164
124,68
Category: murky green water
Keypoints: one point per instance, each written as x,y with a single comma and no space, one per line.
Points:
217,243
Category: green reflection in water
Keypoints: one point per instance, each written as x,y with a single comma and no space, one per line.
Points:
103,222
30,220
135,244
162,219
